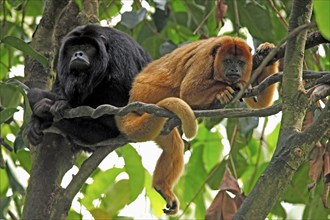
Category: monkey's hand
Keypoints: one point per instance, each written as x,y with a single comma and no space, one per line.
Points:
42,108
59,106
261,52
240,85
225,95
264,49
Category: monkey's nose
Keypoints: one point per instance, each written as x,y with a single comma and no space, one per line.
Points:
78,54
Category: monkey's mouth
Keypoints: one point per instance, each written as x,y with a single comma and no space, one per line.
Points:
233,77
79,63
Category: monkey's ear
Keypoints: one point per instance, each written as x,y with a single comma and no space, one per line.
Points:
103,38
215,49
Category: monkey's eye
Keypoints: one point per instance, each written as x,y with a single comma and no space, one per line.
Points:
241,62
228,61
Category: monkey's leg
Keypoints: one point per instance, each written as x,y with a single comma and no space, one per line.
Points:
169,168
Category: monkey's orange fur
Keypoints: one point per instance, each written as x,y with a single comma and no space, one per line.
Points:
192,74
265,98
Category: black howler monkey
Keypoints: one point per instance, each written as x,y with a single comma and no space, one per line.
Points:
96,65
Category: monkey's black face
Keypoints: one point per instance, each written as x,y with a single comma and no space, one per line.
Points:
233,68
83,62
81,56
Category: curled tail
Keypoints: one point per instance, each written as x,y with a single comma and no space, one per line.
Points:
147,127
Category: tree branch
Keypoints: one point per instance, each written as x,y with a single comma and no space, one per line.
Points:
86,111
313,39
67,195
316,130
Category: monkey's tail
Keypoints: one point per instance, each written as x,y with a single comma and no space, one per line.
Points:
147,127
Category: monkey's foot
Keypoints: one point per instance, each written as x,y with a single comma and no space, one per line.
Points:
172,204
225,96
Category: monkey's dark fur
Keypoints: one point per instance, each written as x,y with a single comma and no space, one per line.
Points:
96,65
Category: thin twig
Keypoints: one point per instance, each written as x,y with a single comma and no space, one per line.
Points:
261,140
284,22
236,17
203,21
232,140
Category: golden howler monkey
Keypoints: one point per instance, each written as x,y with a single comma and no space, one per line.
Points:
198,75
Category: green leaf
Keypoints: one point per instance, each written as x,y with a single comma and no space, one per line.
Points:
195,174
278,210
72,215
34,8
314,208
109,9
273,138
200,211
24,47
178,6
7,114
156,201
151,44
15,185
216,175
160,17
212,146
135,171
10,95
99,213
167,47
118,196
24,159
131,18
4,203
102,183
20,144
322,17
247,124
297,191
251,176
4,183
255,17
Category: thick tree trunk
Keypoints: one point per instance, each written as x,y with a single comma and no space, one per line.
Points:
50,162
54,156
289,154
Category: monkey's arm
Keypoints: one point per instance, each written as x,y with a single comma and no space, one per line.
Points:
204,93
41,102
265,98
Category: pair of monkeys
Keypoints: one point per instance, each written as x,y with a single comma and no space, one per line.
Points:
97,65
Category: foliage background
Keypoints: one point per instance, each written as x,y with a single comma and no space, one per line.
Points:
245,144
